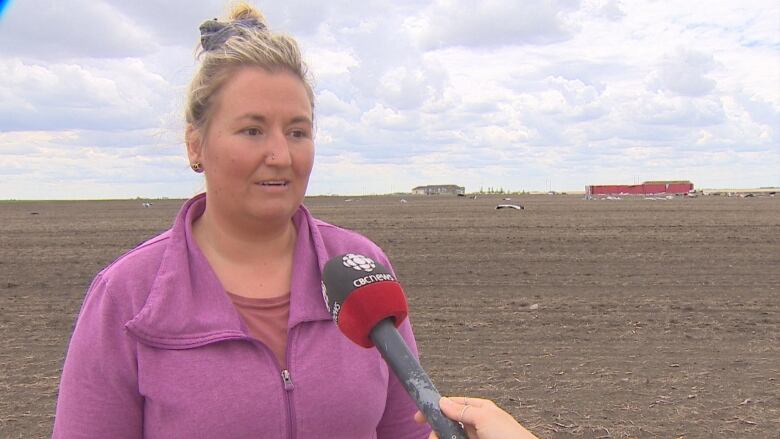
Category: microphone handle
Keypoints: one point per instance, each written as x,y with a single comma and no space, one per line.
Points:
414,379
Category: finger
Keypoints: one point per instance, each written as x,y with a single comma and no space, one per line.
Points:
467,414
450,407
462,415
420,418
467,400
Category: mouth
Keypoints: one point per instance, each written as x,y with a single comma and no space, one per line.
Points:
274,183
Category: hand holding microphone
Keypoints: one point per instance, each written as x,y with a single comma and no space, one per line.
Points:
482,418
368,304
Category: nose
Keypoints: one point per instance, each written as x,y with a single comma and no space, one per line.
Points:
278,153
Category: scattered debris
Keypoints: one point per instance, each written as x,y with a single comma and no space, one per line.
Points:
33,213
403,201
146,204
507,199
572,425
738,419
662,399
534,307
510,206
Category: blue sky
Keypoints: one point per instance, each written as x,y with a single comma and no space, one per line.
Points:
525,95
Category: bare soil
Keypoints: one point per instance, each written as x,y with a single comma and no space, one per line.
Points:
584,319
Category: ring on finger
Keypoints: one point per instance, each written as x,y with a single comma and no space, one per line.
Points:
463,412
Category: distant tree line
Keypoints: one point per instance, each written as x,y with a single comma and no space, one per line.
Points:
499,190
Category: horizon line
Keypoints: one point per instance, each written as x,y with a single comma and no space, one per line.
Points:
387,194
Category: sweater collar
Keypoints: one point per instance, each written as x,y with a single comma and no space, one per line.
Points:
187,305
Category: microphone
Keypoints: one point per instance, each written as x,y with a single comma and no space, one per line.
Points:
368,305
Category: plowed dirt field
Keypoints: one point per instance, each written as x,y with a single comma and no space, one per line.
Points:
586,319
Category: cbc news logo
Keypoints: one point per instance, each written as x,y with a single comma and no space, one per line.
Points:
358,262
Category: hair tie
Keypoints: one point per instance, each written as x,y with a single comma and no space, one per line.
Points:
214,33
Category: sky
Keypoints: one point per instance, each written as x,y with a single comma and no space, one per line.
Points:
531,95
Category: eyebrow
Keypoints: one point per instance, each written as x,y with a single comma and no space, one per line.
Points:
260,118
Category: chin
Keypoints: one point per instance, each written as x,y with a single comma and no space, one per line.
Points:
272,212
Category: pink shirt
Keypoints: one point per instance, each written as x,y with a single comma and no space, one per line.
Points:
266,320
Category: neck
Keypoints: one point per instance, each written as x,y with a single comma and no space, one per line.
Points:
243,243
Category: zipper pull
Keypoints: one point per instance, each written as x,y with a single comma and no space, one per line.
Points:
288,384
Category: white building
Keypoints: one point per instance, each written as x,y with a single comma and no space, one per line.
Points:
444,189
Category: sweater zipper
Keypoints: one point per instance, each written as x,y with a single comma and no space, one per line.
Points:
287,384
288,388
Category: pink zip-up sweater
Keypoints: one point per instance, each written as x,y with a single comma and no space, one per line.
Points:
159,351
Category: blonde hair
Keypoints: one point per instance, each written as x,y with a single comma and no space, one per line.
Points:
244,40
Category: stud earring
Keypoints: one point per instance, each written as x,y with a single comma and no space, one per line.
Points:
197,167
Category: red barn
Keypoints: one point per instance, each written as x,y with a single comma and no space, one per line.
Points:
646,188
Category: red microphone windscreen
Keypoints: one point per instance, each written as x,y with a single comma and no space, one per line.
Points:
368,305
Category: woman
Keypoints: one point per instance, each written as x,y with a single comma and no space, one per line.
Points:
217,328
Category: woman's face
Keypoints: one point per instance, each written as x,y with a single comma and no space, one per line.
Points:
258,150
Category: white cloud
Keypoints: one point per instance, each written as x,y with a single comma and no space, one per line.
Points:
56,96
661,109
610,9
490,23
329,104
170,22
522,95
49,29
685,72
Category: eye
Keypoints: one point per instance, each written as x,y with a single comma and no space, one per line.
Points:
299,133
253,131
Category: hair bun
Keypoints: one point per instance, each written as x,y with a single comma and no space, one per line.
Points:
214,33
245,11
